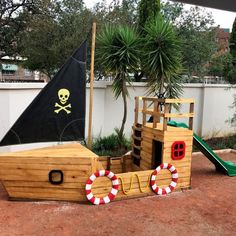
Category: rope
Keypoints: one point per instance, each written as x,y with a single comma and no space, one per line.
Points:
142,190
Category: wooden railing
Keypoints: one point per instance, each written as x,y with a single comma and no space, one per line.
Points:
161,109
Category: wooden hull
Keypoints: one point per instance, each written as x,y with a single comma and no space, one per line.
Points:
137,184
25,175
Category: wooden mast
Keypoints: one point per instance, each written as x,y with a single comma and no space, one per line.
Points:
91,86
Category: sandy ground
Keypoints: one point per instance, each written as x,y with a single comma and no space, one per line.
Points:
209,208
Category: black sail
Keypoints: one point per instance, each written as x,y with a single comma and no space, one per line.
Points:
58,112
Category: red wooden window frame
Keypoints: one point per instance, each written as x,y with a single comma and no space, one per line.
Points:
178,150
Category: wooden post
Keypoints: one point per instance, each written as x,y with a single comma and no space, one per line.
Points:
136,110
166,110
91,86
155,110
144,111
191,110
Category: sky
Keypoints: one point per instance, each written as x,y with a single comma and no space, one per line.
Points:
223,18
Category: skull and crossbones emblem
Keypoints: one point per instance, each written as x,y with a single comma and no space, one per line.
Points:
63,95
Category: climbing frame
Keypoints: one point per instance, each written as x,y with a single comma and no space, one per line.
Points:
160,143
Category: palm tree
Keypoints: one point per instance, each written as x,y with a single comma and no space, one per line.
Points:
161,58
118,53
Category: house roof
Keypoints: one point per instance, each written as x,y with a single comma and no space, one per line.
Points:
227,5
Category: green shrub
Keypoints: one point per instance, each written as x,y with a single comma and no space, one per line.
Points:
221,143
111,145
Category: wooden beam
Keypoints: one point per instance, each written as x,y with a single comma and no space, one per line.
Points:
191,110
91,86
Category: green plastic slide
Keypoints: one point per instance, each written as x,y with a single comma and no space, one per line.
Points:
226,167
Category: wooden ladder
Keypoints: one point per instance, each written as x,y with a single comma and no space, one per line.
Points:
136,147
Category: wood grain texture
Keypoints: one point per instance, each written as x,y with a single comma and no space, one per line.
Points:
25,174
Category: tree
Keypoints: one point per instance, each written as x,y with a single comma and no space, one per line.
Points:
14,16
40,45
54,34
148,9
118,52
196,31
161,59
231,72
117,13
233,42
220,65
230,66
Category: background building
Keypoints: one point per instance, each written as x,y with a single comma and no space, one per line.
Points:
12,70
222,39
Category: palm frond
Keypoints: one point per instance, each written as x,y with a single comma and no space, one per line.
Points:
161,55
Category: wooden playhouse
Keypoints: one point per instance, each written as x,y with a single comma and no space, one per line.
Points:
72,172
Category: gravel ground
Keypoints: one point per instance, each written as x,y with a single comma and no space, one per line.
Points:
209,208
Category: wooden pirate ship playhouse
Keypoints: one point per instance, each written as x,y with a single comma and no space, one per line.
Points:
159,163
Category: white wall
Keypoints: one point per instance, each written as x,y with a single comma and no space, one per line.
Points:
212,107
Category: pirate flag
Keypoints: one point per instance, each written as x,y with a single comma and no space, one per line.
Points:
58,112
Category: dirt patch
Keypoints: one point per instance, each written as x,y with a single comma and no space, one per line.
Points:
209,208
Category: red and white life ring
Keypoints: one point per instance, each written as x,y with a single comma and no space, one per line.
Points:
174,175
110,196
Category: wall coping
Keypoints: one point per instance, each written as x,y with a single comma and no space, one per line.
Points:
104,84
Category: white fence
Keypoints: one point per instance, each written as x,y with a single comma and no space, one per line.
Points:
212,107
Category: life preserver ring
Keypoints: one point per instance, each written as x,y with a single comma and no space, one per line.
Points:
174,175
110,196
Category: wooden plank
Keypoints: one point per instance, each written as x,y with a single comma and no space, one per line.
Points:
78,194
135,167
146,156
146,144
182,100
149,128
47,160
91,82
187,133
145,187
145,165
170,100
46,184
190,121
33,176
153,113
136,156
168,151
136,137
166,110
160,180
169,143
41,167
73,196
100,166
163,180
48,191
59,151
136,110
154,137
156,119
184,167
137,147
178,138
147,150
179,115
136,128
144,114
